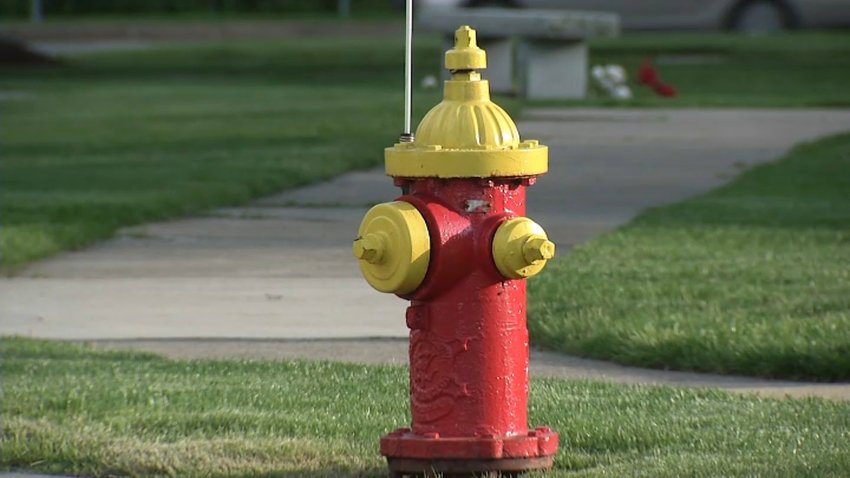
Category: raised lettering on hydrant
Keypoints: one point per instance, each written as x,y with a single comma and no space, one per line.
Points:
457,244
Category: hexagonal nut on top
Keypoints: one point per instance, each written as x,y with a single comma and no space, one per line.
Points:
393,247
521,248
466,55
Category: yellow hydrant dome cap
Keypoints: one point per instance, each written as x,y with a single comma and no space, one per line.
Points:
467,135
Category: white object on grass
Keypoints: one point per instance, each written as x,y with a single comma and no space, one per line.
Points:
611,79
429,81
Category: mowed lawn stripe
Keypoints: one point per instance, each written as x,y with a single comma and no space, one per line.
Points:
752,278
108,140
70,409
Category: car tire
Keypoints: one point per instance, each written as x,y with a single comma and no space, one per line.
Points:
762,16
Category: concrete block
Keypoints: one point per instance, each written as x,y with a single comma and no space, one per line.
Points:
531,23
553,69
500,64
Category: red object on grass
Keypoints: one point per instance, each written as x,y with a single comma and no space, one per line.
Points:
663,89
648,75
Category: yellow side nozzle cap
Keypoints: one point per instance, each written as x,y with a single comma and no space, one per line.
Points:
521,248
466,55
393,247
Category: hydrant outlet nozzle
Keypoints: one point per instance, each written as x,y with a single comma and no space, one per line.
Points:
370,248
537,249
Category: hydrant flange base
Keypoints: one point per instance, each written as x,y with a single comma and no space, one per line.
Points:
409,466
408,161
403,443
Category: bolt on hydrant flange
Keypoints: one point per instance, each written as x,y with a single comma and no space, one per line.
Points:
457,245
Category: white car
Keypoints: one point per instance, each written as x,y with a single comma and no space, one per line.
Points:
742,15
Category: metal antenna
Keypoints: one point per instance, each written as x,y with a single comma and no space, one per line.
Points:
407,135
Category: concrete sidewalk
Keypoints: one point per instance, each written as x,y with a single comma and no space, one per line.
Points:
274,271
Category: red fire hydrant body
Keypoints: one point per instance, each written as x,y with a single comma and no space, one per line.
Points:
468,339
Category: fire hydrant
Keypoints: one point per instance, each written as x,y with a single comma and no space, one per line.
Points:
457,245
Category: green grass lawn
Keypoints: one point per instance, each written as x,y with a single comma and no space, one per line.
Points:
712,69
752,278
110,140
318,15
68,409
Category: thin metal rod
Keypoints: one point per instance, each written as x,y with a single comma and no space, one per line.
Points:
36,11
344,8
408,69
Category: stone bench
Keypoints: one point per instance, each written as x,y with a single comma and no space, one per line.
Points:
551,46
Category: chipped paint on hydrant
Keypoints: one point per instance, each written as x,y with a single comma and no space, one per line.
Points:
457,244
